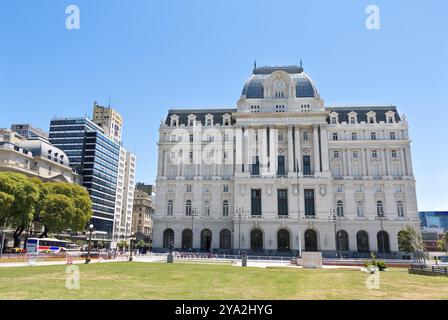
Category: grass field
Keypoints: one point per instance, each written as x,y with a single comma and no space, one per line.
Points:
199,281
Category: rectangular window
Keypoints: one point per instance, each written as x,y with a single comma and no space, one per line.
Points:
335,136
336,154
306,165
392,136
373,136
394,154
188,187
309,202
352,120
191,138
355,154
354,136
282,202
305,135
225,188
256,202
281,166
255,167
374,154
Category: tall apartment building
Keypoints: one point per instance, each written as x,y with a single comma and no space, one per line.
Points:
95,158
125,194
282,172
109,120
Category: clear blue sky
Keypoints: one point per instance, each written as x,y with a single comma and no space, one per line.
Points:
149,56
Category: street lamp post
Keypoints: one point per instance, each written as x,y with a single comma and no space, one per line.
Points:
240,214
334,217
193,213
91,229
298,207
381,216
130,245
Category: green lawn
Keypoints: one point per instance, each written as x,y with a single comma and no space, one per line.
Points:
199,281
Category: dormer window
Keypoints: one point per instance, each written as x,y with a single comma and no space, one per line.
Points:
390,117
174,120
209,120
226,119
371,117
334,118
191,120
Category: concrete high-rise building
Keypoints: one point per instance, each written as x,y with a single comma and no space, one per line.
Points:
282,172
125,194
28,131
109,120
95,158
112,123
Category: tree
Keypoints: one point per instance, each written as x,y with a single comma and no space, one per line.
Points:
410,241
442,244
25,193
123,244
64,206
141,244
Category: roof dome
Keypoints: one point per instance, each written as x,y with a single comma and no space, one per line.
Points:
42,148
305,86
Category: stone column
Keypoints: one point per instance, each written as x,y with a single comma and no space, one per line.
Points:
263,150
369,169
298,158
324,147
349,162
316,149
408,162
290,151
344,162
383,162
239,151
403,166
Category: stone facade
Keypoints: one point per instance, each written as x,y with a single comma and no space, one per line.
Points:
282,173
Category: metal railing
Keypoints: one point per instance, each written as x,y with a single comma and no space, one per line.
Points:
432,269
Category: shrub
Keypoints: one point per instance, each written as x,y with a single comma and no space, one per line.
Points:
381,265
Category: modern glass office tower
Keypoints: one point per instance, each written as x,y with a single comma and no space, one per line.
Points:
95,157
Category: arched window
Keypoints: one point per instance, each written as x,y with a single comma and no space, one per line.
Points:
206,208
283,243
342,240
168,238
169,210
187,239
206,240
383,242
225,237
256,240
188,208
379,208
400,209
362,241
340,208
225,208
310,240
359,209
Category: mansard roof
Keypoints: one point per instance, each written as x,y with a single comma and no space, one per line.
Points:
362,112
200,115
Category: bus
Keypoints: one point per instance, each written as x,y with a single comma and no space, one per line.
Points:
50,245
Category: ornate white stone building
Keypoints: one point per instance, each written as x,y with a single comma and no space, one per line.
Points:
283,173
